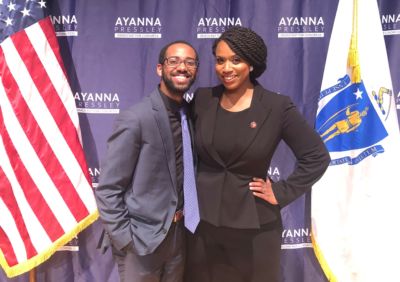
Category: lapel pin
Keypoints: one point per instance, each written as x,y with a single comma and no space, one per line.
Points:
253,124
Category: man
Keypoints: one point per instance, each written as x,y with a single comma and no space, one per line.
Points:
140,194
350,123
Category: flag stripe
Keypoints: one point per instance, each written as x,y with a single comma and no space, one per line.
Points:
30,191
70,122
47,29
59,77
35,120
33,165
13,224
63,151
5,243
38,235
53,76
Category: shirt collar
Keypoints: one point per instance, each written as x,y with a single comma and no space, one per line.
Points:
171,105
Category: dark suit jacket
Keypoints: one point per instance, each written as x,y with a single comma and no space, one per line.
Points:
137,194
223,187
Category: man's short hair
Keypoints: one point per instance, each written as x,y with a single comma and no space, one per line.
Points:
161,57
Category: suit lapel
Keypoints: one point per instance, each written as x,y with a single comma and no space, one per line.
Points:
208,124
164,127
256,116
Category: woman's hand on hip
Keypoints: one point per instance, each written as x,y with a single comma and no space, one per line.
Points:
263,189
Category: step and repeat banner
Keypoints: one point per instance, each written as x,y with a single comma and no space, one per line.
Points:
110,50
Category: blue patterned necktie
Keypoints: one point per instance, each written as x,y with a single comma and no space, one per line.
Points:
191,206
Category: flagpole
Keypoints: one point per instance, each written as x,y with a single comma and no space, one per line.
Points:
32,275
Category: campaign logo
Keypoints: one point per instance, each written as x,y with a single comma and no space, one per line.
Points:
94,173
213,27
97,102
301,27
349,121
65,25
296,238
274,174
188,96
138,27
391,24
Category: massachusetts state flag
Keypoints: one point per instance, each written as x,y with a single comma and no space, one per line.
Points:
46,196
355,206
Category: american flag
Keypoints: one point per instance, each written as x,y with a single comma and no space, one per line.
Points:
46,196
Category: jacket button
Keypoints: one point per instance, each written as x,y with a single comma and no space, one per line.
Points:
164,231
173,203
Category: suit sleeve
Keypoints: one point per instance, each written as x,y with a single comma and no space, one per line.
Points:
123,149
310,152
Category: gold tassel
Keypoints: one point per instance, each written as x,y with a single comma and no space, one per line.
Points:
353,61
356,74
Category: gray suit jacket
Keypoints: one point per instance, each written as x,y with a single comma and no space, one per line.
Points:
137,194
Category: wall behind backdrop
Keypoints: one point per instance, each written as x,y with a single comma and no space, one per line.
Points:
110,50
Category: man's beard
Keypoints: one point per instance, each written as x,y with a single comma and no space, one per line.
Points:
179,89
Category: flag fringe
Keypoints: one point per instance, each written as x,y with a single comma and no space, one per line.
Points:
43,256
322,261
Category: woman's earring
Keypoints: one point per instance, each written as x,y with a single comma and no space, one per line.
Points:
251,68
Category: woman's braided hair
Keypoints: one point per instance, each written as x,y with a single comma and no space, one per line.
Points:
248,45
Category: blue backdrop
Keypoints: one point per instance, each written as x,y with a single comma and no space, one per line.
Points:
110,50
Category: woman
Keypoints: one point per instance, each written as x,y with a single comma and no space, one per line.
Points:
238,126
